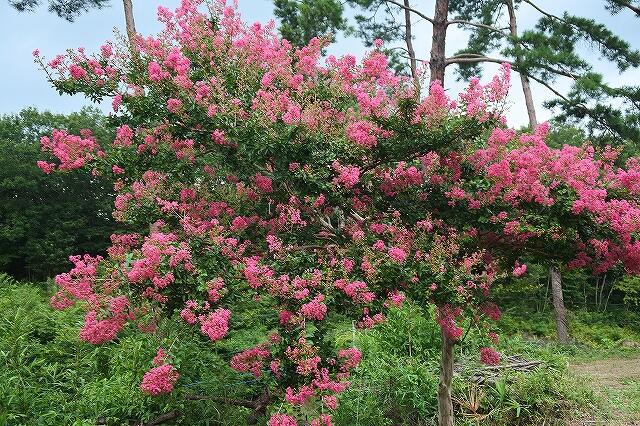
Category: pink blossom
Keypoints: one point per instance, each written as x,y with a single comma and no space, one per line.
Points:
46,167
348,176
250,360
300,397
350,358
447,319
397,254
491,310
97,331
282,420
174,105
489,356
215,324
264,183
117,101
315,309
363,133
519,270
324,419
77,72
159,380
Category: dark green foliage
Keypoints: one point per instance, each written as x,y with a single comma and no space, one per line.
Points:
482,41
611,113
65,9
302,20
45,218
50,377
617,6
552,50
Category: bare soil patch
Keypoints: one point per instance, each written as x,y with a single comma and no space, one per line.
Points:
617,382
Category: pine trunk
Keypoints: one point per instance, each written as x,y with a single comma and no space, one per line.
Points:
526,85
437,62
408,37
130,23
445,405
558,305
528,99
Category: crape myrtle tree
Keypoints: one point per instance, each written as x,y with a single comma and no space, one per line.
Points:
252,175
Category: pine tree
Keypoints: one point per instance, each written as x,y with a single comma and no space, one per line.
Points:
544,54
65,9
549,52
615,6
71,9
302,20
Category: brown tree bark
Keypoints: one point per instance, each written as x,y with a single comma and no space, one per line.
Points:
558,305
437,62
130,23
408,38
526,85
445,404
628,5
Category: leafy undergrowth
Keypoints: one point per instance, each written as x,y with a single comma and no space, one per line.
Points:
603,361
50,377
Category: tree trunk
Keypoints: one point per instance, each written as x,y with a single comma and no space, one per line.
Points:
526,86
130,23
437,62
445,405
528,99
408,38
558,305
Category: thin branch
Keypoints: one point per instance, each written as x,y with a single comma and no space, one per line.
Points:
478,25
172,415
545,84
410,9
545,13
466,58
583,107
408,38
469,58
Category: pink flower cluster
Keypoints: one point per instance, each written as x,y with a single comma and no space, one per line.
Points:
215,324
72,151
159,380
519,269
447,317
489,356
314,309
251,360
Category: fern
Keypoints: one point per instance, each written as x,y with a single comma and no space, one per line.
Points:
7,280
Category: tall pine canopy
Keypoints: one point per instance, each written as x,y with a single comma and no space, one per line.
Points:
65,9
558,47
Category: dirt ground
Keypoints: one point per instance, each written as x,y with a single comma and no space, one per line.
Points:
617,382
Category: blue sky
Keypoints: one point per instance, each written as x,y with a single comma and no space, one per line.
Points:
23,85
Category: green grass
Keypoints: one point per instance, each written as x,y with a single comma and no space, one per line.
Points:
50,377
